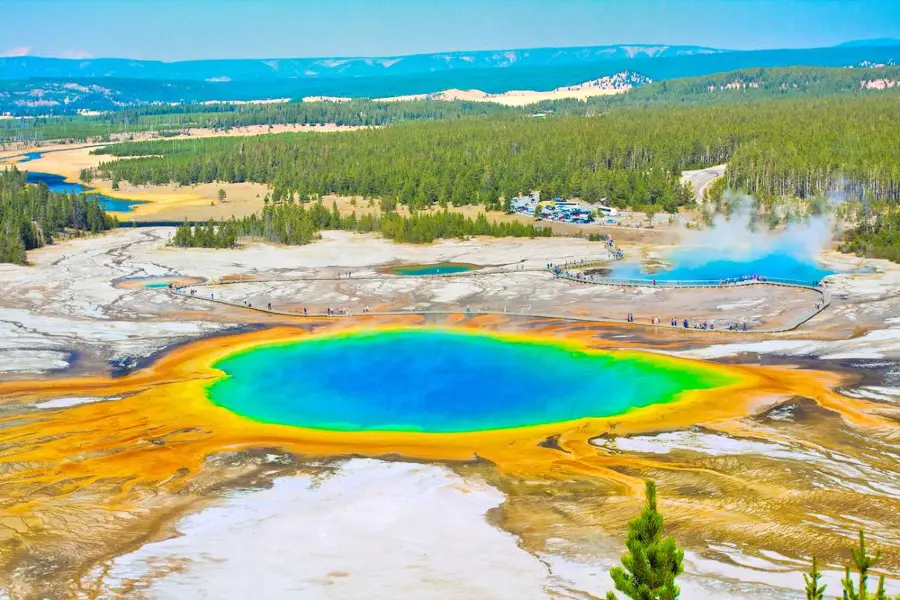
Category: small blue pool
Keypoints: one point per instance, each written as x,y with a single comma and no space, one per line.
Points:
433,269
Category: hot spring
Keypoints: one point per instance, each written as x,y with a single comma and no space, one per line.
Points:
434,269
156,282
776,262
441,381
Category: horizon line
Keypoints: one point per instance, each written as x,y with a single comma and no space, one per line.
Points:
417,54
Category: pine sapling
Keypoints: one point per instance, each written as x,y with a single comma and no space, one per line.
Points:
652,562
813,590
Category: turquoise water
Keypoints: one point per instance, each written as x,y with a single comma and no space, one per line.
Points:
715,264
437,269
158,284
59,185
442,381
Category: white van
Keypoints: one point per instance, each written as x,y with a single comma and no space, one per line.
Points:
608,211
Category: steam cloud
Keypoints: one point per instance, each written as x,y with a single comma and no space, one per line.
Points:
742,236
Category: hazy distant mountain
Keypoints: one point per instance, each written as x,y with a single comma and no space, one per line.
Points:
876,42
27,67
40,86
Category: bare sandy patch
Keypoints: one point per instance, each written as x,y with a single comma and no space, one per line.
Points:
194,203
67,162
603,86
510,98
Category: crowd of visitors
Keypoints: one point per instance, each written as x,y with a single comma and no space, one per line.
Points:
701,324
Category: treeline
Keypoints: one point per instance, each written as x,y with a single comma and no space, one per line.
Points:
167,120
629,157
294,224
748,85
30,216
877,235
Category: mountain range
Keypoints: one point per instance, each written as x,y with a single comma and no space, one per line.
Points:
220,71
36,85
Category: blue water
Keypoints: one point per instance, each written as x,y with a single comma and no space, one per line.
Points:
443,381
59,185
29,156
711,264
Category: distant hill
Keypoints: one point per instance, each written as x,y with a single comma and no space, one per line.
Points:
876,42
538,70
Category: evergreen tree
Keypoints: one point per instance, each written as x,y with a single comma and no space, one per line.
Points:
813,590
652,562
31,216
863,562
630,157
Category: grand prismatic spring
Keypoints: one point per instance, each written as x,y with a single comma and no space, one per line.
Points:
443,381
420,392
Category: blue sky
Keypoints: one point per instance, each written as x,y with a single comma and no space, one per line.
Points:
194,29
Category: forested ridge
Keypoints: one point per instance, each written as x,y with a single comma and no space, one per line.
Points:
630,157
167,119
295,224
748,85
30,216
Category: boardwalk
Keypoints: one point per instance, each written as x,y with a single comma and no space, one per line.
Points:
185,292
